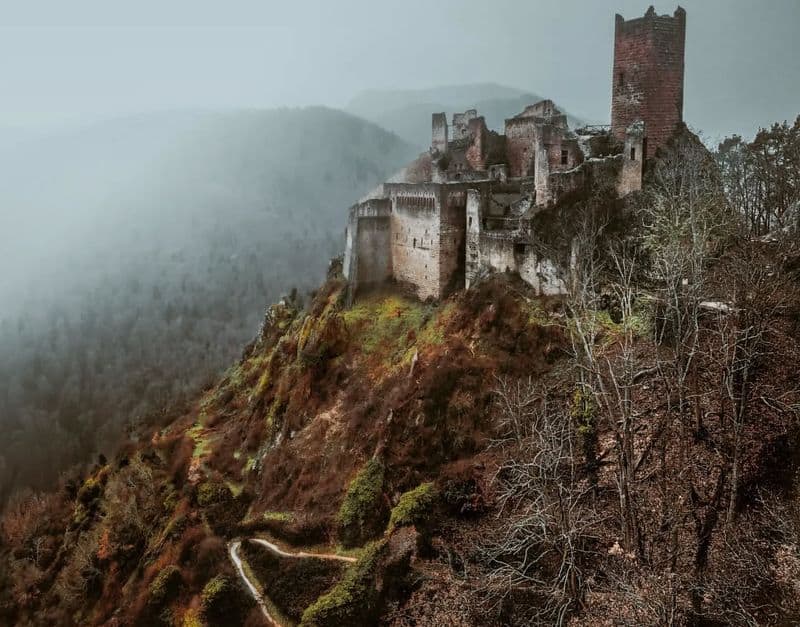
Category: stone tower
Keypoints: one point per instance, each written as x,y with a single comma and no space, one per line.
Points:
648,76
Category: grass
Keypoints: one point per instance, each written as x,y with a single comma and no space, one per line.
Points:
202,444
381,324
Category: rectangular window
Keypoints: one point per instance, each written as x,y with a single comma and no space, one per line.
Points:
415,242
564,157
470,221
633,154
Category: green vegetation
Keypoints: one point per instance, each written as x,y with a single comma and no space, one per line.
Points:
352,600
165,585
414,506
202,444
90,491
212,493
584,413
362,504
385,324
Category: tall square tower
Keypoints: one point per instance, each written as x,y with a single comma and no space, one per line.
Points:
648,76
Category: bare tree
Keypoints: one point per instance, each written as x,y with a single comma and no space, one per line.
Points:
610,372
551,523
760,293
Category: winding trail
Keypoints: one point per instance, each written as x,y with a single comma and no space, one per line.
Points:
233,552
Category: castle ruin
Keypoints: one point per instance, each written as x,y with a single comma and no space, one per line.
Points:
467,205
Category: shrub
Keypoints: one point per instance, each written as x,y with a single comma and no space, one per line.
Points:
165,586
362,509
220,602
352,601
414,506
213,493
90,491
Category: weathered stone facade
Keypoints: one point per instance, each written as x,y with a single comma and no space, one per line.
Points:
468,206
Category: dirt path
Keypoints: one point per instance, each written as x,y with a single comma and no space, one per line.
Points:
233,551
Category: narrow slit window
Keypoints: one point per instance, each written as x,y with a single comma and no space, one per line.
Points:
564,157
633,153
415,242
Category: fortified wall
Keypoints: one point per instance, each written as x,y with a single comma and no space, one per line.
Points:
468,206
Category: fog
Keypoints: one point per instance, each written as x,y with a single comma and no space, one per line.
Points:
63,62
156,193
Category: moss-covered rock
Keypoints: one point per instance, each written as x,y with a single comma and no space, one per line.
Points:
414,507
363,511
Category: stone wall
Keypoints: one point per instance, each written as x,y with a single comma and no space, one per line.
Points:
630,178
415,231
461,124
367,259
439,137
452,240
647,81
478,148
520,146
474,212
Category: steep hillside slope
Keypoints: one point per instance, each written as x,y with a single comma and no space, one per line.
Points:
140,245
453,451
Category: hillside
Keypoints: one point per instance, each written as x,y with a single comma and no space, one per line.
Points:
408,112
452,451
137,246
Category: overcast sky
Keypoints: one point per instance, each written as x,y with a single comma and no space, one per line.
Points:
85,58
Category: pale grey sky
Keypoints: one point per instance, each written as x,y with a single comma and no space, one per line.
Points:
87,58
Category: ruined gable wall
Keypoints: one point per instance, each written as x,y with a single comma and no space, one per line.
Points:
648,74
415,221
439,134
477,151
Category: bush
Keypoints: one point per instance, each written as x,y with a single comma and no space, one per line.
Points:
414,506
213,493
363,510
352,601
165,586
220,602
89,491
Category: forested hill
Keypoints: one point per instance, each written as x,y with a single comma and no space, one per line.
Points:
140,254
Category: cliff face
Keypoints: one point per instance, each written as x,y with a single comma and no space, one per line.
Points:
394,459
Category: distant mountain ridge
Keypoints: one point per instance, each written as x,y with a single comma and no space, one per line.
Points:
408,112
